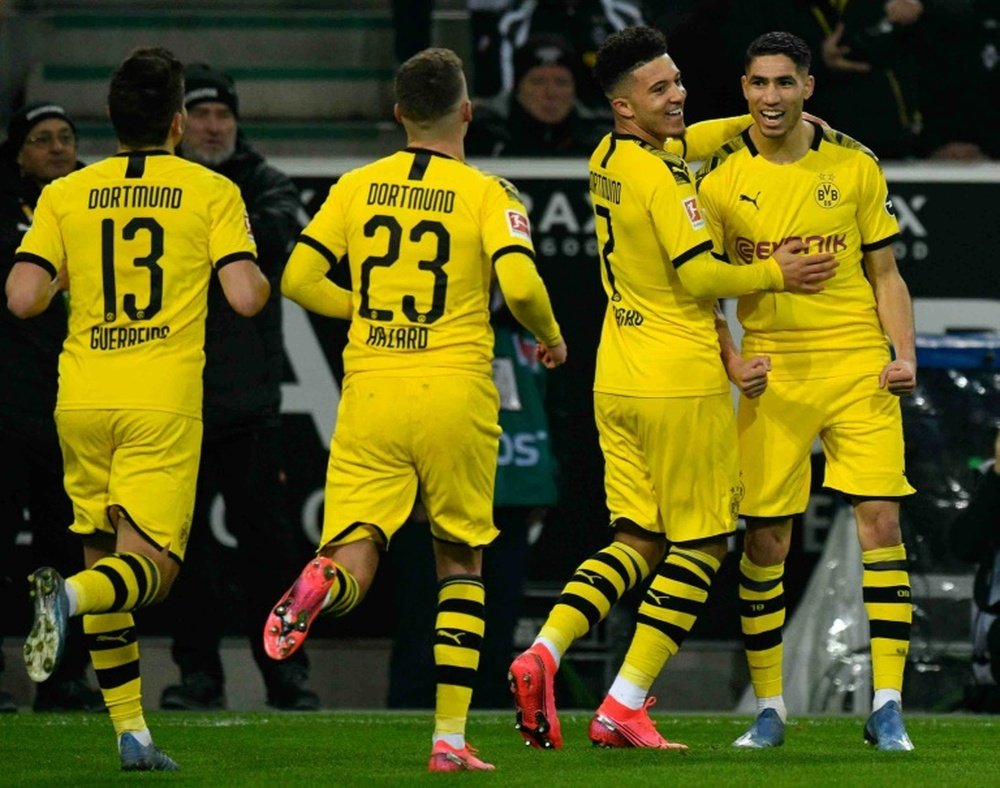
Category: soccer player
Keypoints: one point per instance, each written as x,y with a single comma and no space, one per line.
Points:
423,233
662,403
831,373
134,238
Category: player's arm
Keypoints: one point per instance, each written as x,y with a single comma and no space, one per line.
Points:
702,139
528,301
31,285
244,285
748,375
305,281
895,312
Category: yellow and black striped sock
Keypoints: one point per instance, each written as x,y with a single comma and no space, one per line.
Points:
343,595
593,589
885,586
118,583
458,636
762,615
667,613
114,650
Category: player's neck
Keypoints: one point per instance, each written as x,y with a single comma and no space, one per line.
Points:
167,146
786,149
453,148
631,129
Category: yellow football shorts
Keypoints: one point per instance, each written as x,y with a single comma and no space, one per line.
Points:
671,463
859,425
397,434
143,461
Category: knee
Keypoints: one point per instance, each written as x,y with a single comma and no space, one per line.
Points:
651,546
767,543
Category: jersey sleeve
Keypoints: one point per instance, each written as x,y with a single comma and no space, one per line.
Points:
702,139
876,219
507,243
707,202
680,225
504,221
231,238
43,243
327,231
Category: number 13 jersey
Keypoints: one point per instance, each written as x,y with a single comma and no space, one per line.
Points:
138,234
421,232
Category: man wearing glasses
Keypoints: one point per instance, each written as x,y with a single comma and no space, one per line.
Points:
40,147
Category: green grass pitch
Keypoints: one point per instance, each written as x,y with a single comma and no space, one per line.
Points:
369,748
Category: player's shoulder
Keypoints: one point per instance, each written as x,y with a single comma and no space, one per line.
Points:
655,161
724,156
843,146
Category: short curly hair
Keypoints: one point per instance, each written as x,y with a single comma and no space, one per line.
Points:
624,52
778,42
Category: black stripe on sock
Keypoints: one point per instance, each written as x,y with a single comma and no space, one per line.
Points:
760,586
109,678
887,566
680,604
584,607
886,595
890,630
762,641
455,676
466,639
466,606
672,631
117,584
140,576
755,608
682,574
613,563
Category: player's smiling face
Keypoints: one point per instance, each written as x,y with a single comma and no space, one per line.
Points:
776,91
655,97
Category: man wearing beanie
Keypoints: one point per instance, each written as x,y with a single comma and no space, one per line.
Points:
542,117
40,147
241,449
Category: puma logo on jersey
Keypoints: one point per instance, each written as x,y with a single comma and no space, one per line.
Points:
451,635
751,200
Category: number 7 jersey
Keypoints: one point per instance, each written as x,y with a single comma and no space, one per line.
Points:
421,232
138,234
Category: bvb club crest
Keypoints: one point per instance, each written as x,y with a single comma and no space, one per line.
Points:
827,192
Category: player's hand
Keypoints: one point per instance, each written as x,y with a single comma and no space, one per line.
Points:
835,54
803,273
750,375
899,377
551,357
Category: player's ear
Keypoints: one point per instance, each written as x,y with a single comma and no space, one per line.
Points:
466,111
745,84
621,107
395,113
810,86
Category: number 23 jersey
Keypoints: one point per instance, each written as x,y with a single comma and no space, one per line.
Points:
138,234
421,232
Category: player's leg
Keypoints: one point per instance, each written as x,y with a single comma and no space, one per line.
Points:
865,459
458,634
697,492
776,434
886,592
370,488
762,616
599,582
456,434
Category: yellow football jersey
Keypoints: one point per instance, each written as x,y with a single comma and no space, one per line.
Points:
836,200
657,339
421,232
138,234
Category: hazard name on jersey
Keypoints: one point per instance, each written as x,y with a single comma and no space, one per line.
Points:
402,338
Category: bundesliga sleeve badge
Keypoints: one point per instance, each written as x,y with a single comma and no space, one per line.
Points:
517,225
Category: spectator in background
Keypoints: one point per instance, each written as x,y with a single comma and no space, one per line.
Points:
962,117
241,448
542,118
975,537
584,23
867,68
40,147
